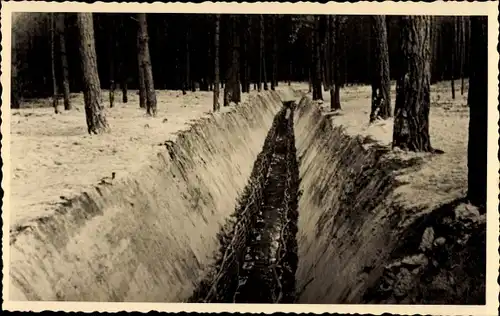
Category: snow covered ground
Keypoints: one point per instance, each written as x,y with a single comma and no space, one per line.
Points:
445,175
53,157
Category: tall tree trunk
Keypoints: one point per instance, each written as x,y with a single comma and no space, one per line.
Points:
478,107
317,93
462,52
264,66
232,90
331,60
261,50
94,111
453,55
15,102
145,62
274,54
216,105
111,60
60,26
236,96
55,94
327,53
411,122
245,54
381,84
142,81
337,51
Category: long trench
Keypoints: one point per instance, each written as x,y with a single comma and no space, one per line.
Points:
258,253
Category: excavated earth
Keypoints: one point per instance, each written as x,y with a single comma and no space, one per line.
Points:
269,203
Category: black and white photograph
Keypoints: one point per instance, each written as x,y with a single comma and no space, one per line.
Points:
302,160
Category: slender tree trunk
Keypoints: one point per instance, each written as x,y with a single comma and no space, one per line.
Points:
331,60
381,85
232,91
245,54
124,60
264,66
142,81
453,56
111,60
55,94
60,26
261,50
236,96
335,103
216,105
15,102
317,93
145,61
94,111
478,107
411,122
462,52
274,54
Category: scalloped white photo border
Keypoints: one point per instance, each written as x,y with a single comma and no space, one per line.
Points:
489,9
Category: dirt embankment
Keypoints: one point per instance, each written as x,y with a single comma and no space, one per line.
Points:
359,243
258,252
148,237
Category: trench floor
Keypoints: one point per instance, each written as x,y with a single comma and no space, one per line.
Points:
267,274
259,255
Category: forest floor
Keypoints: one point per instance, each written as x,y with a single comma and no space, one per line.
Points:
445,176
53,157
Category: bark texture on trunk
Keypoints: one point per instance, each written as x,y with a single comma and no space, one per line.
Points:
317,93
478,107
142,81
15,102
381,84
216,105
232,92
94,111
462,51
55,92
411,122
145,63
337,73
111,59
60,26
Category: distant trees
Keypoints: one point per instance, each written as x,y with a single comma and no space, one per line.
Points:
381,84
94,111
478,107
411,118
329,51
